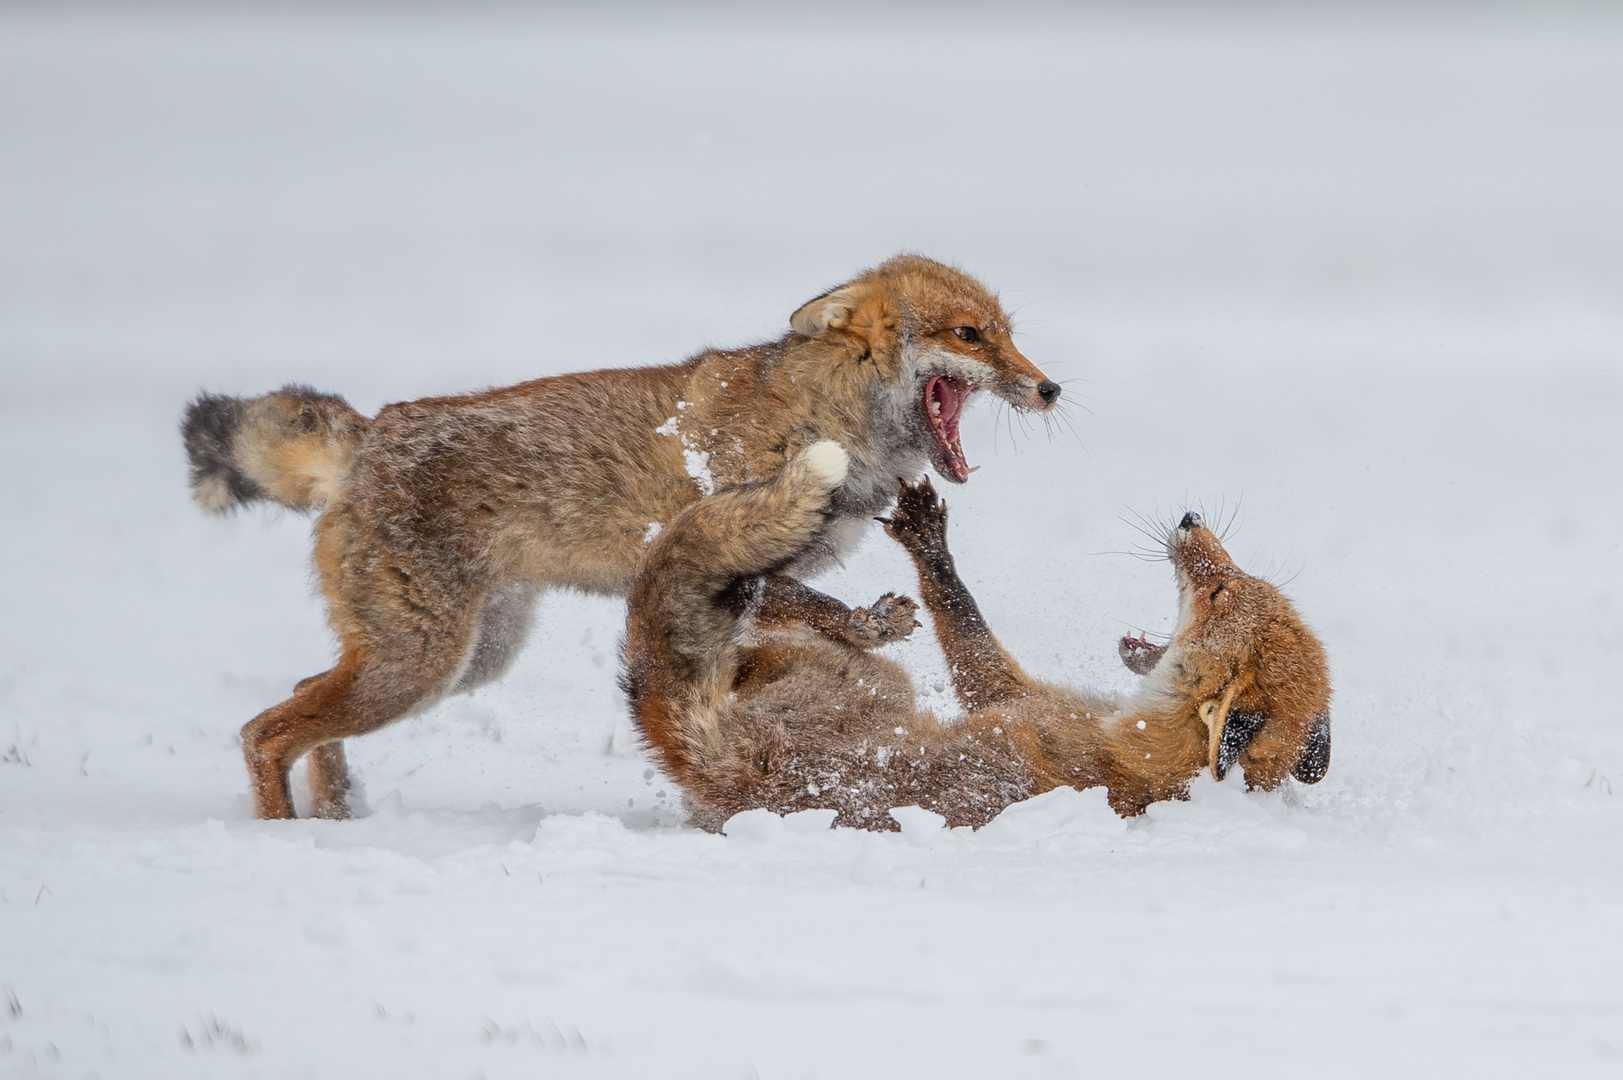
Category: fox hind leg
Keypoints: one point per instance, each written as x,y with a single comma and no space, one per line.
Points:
328,776
680,654
367,689
504,623
277,737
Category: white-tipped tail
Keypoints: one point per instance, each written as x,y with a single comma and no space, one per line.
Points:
294,447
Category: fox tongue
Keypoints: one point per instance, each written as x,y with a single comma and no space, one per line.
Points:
943,406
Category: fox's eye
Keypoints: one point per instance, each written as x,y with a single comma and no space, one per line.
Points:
1213,598
967,334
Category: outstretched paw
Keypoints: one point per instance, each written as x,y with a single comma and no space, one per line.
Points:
919,522
889,619
1140,654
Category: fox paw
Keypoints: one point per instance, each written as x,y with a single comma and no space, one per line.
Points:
919,522
1140,654
889,619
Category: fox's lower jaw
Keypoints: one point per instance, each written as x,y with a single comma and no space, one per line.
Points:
943,402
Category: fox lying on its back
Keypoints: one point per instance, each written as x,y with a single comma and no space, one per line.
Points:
788,719
441,519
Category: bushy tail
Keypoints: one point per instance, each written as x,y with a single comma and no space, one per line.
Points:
293,447
688,593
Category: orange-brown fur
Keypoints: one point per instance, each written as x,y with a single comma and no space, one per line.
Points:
744,714
441,519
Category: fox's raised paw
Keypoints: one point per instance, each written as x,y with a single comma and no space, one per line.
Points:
889,619
919,522
1140,654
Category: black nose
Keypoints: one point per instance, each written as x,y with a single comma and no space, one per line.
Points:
1191,520
1048,391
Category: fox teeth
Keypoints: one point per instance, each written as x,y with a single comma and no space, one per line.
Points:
935,408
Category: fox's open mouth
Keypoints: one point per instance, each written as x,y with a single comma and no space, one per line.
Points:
944,398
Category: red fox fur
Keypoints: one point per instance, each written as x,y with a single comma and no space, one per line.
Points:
746,711
441,519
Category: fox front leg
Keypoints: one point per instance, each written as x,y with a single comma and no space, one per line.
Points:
890,618
1140,654
982,671
785,601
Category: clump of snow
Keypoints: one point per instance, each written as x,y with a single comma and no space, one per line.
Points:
698,467
697,461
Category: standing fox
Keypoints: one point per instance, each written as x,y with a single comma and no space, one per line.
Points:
442,519
774,713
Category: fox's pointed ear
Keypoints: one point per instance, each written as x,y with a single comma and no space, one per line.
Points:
831,311
1315,760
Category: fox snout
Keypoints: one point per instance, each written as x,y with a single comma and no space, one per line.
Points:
1037,392
1196,553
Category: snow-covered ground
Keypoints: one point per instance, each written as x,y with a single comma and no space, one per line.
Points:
1357,274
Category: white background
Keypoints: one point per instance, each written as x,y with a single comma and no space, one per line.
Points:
1357,273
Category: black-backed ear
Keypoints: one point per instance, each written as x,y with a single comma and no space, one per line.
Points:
1238,731
1315,760
832,310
